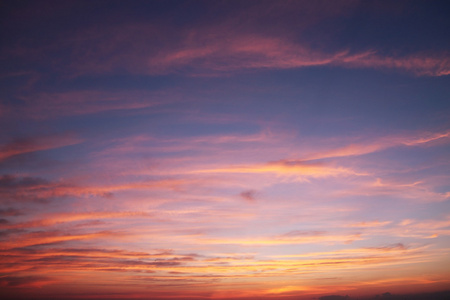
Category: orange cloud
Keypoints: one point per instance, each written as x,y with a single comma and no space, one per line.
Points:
290,238
294,168
370,224
423,229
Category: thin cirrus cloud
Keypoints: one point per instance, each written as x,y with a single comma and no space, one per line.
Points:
212,55
256,52
287,168
51,237
13,188
416,191
60,218
383,143
423,230
219,49
292,239
39,143
76,103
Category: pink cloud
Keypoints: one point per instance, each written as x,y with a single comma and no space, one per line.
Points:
379,144
24,282
54,105
49,220
296,169
234,53
48,237
422,64
40,143
415,191
223,52
301,238
220,48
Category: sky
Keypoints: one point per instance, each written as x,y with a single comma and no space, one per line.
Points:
224,149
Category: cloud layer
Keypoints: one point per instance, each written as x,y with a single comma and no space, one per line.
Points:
223,149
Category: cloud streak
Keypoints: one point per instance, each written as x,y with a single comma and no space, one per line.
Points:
289,168
382,144
40,143
215,48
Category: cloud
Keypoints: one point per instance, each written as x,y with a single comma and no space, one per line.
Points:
248,195
48,220
16,188
415,191
301,170
237,41
392,254
46,105
10,212
418,229
47,259
25,281
423,228
9,181
370,224
334,297
291,238
418,64
27,239
25,188
356,149
240,52
40,143
166,268
393,247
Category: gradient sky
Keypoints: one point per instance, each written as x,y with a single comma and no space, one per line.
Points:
224,149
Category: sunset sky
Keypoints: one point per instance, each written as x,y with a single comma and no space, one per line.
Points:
224,149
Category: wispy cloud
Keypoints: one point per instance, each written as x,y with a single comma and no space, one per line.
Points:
50,237
56,105
296,237
16,188
25,281
39,143
418,191
419,64
222,46
382,143
240,53
289,168
60,218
